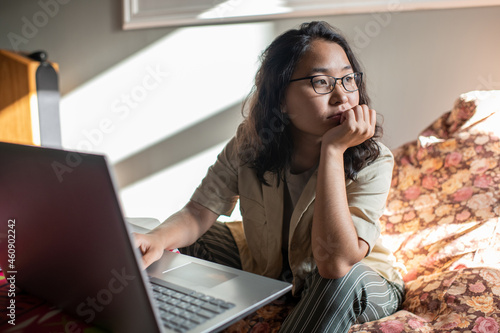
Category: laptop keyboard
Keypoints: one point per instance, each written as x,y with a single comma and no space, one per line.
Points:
182,311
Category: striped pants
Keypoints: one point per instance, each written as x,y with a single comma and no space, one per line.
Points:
325,305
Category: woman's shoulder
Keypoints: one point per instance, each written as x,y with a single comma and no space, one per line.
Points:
381,167
231,156
385,152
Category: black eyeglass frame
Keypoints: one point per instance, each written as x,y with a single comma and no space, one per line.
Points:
335,81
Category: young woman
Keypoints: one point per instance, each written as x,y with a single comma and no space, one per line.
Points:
312,184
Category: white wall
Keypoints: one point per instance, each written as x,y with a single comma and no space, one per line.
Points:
123,91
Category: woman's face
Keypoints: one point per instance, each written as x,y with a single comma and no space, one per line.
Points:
312,114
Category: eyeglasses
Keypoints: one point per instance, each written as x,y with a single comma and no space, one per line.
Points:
324,84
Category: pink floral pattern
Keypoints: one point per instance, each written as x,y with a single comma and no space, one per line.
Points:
454,301
443,222
443,208
485,325
267,319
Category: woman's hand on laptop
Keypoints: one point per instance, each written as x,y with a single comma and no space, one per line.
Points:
150,246
179,230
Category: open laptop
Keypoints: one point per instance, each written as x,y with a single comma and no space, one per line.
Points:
63,227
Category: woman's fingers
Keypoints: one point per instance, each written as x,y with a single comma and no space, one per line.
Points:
151,252
361,120
355,127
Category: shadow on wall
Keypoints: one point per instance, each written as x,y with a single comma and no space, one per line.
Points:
176,148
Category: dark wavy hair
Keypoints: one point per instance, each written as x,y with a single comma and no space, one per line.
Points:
264,139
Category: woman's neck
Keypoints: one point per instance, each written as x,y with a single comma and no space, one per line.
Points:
306,152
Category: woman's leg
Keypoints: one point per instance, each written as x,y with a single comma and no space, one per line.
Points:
216,245
335,305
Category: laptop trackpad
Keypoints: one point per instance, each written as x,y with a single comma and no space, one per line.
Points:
194,275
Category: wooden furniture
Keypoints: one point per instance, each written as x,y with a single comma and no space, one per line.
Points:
29,99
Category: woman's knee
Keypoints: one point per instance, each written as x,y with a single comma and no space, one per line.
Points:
362,294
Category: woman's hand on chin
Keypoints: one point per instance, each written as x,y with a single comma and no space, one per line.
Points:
356,126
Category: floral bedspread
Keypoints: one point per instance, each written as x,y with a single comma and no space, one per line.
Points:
444,207
465,300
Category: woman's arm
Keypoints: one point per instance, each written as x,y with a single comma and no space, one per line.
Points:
335,242
179,230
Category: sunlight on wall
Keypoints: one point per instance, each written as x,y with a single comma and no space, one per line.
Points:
174,83
171,187
232,8
189,75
